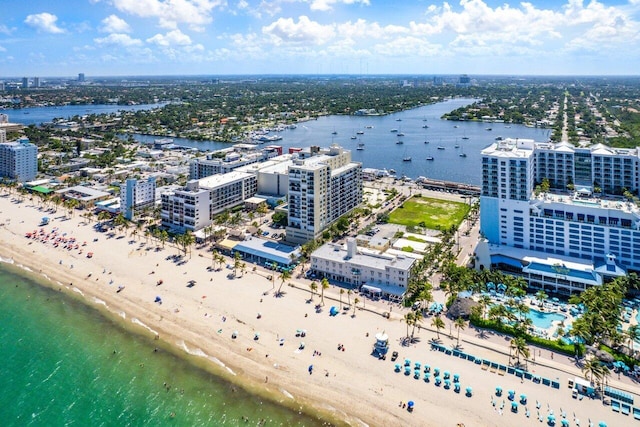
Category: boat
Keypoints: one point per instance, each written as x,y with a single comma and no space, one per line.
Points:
392,171
399,142
400,134
368,127
354,137
440,147
457,145
429,157
335,132
499,138
426,142
394,130
462,155
488,129
406,159
360,148
398,120
360,132
465,136
425,126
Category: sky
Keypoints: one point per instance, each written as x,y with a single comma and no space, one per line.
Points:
360,37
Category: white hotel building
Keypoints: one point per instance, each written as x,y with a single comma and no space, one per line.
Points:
137,195
324,184
194,207
563,240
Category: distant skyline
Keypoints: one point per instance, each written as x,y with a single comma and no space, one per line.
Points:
222,37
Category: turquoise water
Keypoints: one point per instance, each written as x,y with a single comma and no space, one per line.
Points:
543,319
64,363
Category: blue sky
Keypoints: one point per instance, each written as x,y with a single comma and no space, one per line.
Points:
167,37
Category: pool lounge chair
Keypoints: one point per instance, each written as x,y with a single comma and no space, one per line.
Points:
615,406
636,413
625,409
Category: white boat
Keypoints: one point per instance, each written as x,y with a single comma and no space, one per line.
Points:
425,126
462,155
354,137
429,157
426,142
360,132
394,130
406,159
399,142
440,147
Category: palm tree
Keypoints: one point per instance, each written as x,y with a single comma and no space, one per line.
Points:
460,324
356,301
349,292
186,241
324,284
519,347
341,293
485,301
541,296
591,369
313,287
284,276
409,319
438,323
236,263
417,318
633,334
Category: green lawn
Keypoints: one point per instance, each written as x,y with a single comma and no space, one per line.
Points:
435,214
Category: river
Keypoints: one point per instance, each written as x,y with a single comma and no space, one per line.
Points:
380,149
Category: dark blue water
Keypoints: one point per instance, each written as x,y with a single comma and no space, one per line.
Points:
382,152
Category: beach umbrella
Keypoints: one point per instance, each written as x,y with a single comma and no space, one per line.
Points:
602,424
498,391
469,391
418,365
456,378
565,423
523,398
436,371
407,362
397,367
514,406
446,374
426,376
427,368
410,404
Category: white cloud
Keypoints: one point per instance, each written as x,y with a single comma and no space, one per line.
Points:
114,24
285,30
325,5
172,38
118,39
2,49
44,22
169,13
6,30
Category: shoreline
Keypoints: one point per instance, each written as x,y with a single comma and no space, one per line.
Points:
196,323
186,351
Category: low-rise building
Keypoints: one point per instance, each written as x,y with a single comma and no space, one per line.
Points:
373,272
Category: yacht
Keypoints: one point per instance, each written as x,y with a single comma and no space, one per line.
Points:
457,146
425,126
406,159
426,142
400,134
394,130
392,171
462,155
399,142
429,157
398,120
360,132
354,137
440,147
488,129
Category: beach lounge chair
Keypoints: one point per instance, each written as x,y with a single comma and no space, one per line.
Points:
636,413
615,406
625,409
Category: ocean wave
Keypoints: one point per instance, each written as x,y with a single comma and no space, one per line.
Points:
78,291
51,374
122,314
45,276
6,260
24,267
99,301
137,322
287,394
200,353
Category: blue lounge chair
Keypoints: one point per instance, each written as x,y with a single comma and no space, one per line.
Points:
636,413
625,409
615,405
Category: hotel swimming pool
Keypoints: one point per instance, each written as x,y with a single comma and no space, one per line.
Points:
544,319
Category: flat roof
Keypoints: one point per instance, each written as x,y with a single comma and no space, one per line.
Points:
214,181
269,249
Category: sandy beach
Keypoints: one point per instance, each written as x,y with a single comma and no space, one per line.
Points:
194,309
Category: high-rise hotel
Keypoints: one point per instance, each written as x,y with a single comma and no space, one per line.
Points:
580,232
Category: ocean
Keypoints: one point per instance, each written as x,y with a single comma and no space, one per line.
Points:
65,363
